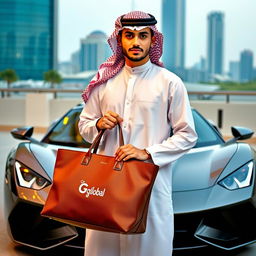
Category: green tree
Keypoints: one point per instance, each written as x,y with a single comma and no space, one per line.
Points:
10,76
53,77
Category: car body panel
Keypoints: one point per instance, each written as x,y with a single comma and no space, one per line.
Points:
209,198
27,157
201,167
206,213
243,155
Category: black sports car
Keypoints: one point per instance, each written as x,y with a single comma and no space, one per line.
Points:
213,188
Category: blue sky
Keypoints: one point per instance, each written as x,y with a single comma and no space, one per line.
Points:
78,18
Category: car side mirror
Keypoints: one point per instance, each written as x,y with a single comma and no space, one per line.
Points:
240,133
24,133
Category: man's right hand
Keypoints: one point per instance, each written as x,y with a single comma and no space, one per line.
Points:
109,120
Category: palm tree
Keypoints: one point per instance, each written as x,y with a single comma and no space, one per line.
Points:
53,77
10,76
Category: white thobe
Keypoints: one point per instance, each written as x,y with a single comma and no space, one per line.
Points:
151,100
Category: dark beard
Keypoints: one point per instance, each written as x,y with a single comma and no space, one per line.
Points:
134,58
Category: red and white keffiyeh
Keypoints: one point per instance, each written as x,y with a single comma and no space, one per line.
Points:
116,62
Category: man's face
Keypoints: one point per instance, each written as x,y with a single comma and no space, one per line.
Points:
135,45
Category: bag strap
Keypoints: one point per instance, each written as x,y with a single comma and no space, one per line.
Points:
95,144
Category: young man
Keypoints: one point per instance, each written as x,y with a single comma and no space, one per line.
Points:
133,89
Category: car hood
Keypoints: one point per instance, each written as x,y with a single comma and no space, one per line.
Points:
46,155
200,168
197,169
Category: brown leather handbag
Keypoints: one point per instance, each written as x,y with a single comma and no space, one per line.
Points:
97,192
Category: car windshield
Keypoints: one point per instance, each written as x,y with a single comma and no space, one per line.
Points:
66,132
207,134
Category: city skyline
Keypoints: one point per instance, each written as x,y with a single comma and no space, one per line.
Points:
238,26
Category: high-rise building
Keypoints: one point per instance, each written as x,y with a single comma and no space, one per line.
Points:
246,66
202,64
75,61
28,37
173,28
94,51
215,43
234,71
254,74
197,73
65,67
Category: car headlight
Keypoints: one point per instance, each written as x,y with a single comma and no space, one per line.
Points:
29,179
240,178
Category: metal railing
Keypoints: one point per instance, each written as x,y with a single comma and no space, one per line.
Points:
5,92
227,94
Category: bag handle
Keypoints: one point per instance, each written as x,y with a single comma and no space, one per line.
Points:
95,144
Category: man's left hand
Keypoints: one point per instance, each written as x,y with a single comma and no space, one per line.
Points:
128,151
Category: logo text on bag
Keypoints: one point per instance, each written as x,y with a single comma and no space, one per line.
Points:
83,189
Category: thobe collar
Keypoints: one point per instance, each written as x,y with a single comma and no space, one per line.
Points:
139,69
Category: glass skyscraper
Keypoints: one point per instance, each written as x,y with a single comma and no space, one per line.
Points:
94,51
173,28
28,37
234,71
215,43
246,66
